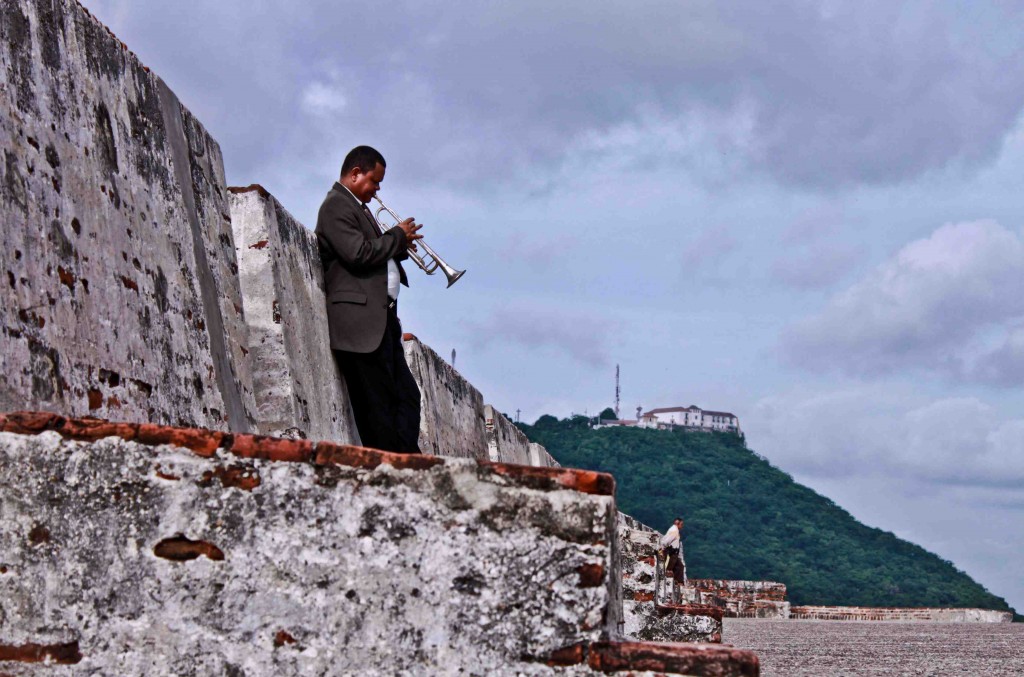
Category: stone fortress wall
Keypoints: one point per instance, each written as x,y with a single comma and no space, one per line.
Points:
120,293
138,288
136,279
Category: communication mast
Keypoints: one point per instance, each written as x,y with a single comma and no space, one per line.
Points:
617,391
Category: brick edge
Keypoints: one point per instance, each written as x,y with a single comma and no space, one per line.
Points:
204,442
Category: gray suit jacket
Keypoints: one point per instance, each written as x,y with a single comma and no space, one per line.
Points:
355,259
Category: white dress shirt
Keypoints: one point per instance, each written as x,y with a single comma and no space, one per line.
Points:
671,537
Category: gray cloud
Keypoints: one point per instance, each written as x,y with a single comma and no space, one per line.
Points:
706,256
871,431
928,307
582,337
814,93
815,266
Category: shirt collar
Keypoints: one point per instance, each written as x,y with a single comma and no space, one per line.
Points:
351,193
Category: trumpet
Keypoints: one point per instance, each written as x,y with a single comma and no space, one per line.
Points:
429,261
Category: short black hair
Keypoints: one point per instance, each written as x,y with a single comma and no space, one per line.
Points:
364,157
678,519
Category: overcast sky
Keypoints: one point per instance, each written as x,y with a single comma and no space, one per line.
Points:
805,213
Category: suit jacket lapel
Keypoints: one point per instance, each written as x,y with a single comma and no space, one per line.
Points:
369,228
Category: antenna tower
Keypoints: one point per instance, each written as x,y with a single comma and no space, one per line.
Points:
617,391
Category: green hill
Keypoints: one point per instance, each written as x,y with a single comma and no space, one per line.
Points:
746,519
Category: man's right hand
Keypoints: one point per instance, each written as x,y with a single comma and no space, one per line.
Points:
410,228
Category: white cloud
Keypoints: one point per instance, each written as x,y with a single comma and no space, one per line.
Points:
932,306
319,98
874,431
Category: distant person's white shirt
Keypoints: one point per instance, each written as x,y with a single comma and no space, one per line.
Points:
394,277
671,537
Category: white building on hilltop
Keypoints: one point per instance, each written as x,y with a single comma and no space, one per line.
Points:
692,417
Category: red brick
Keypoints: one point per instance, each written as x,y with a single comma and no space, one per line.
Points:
238,475
30,422
591,575
182,549
201,441
62,654
692,610
251,188
687,659
92,429
329,453
271,448
283,637
573,654
584,481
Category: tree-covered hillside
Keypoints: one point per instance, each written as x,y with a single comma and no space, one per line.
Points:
748,520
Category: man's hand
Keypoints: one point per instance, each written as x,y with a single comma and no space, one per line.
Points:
411,235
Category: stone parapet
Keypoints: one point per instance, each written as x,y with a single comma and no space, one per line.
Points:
298,387
855,613
740,599
451,409
120,294
540,456
506,443
741,590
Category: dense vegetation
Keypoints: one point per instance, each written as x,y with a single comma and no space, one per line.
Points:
748,520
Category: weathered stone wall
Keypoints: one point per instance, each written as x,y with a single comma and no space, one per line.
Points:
859,613
540,456
119,293
647,614
741,590
506,443
138,549
297,384
741,599
451,409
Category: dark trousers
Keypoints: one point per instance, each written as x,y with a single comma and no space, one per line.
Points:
675,566
385,397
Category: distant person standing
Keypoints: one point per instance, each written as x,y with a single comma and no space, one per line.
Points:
672,546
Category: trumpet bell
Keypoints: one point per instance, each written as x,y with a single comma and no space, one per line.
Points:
453,276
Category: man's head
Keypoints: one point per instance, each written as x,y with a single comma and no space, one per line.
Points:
678,522
362,171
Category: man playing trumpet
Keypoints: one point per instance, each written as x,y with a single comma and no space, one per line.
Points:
362,277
